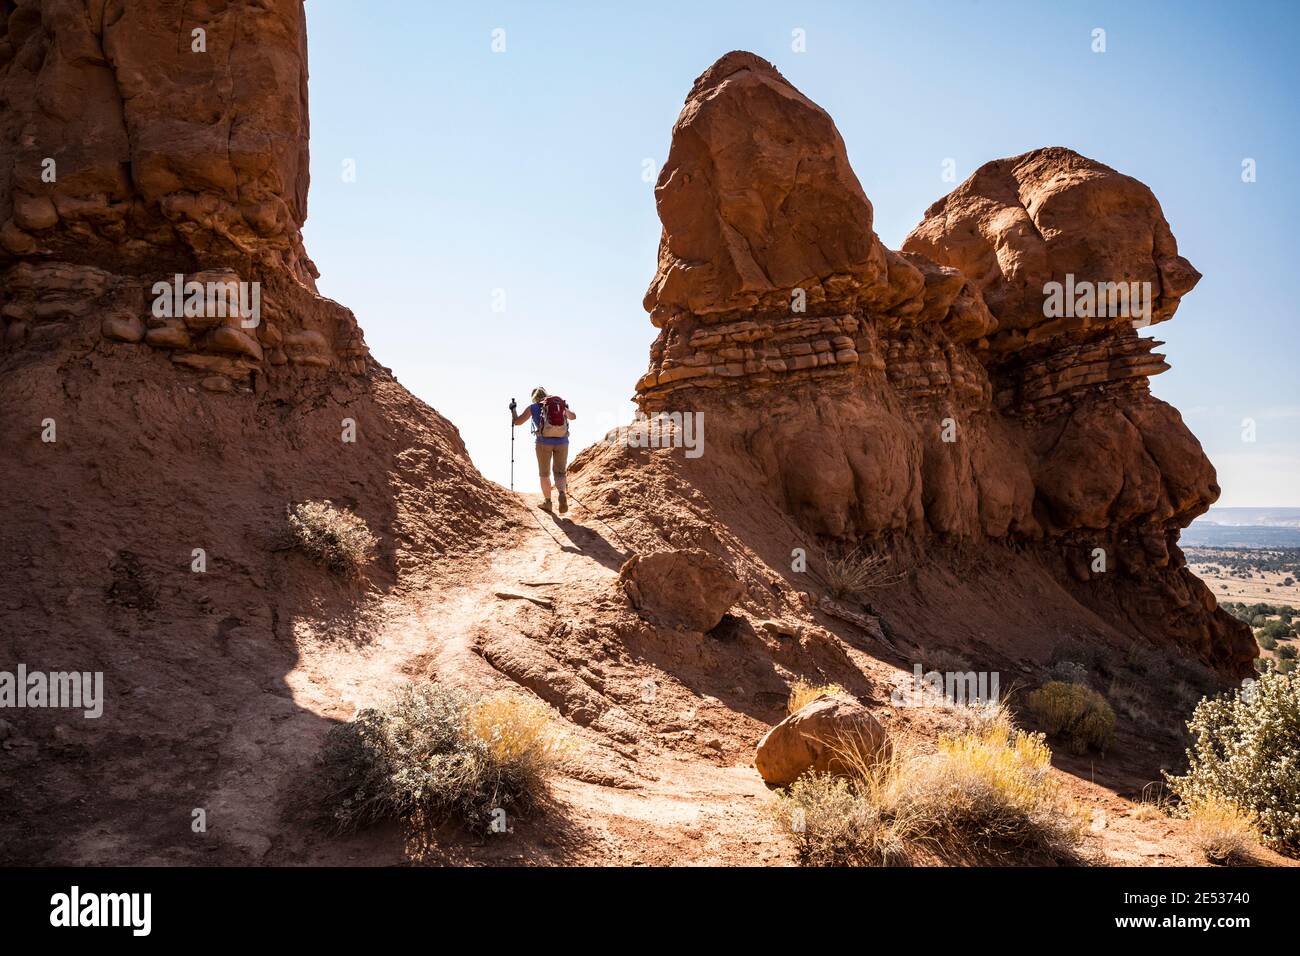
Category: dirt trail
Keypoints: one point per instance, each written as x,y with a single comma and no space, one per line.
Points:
639,803
663,780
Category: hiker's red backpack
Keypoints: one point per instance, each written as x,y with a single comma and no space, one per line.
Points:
555,420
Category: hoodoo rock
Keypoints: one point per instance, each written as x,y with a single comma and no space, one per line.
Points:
1019,224
986,384
133,153
755,216
156,428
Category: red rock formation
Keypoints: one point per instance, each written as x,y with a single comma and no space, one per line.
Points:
946,392
157,139
147,463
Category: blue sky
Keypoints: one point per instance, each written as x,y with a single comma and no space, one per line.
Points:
524,173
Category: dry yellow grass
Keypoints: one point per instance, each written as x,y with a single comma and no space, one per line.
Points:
853,575
986,793
803,693
518,730
1221,830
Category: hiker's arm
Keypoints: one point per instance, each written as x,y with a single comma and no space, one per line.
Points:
523,417
569,413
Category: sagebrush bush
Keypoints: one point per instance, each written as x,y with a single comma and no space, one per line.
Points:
986,793
832,824
1076,713
1069,672
433,753
334,537
803,693
1246,751
945,662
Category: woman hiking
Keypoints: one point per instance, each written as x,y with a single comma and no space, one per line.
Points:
551,417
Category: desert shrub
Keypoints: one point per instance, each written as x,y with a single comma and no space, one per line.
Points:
1287,652
833,823
803,693
1092,656
1277,630
332,536
1069,672
855,574
1221,830
945,662
991,791
985,793
1131,700
1076,713
1266,641
433,753
1246,751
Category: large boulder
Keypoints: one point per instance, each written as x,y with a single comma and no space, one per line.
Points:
815,737
1022,222
689,588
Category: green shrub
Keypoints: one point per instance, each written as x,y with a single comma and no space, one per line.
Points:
1246,751
1276,630
1075,713
434,753
1287,652
331,536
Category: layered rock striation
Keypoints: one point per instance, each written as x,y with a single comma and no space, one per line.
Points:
986,383
147,141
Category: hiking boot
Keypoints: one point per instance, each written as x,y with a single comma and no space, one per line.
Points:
545,505
564,503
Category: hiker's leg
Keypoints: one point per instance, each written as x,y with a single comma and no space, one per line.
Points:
561,461
544,468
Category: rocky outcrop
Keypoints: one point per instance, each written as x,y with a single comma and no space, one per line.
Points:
148,454
986,383
688,588
818,738
133,153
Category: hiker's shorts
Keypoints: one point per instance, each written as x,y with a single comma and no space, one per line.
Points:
552,459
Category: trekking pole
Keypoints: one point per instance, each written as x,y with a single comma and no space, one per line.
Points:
617,536
513,414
